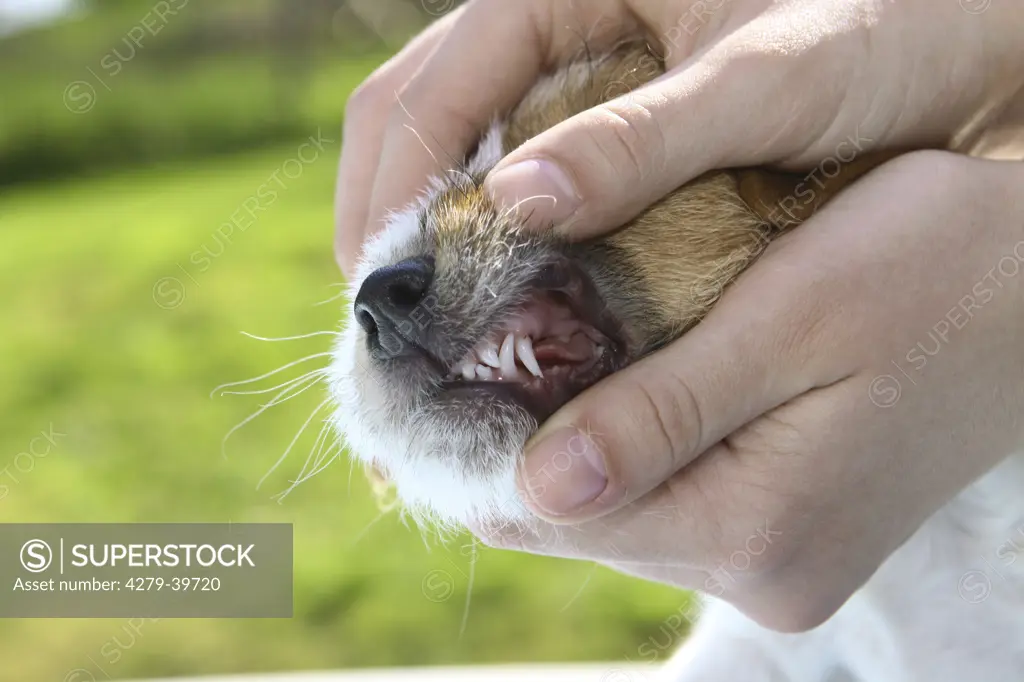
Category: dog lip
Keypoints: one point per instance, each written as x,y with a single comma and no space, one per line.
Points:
426,367
517,393
568,277
412,353
542,396
484,392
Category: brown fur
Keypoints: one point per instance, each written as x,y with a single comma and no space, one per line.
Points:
659,274
688,246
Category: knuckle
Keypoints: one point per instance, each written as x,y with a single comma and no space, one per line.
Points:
627,136
415,108
370,100
669,410
772,435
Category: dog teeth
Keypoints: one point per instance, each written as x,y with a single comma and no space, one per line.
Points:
489,354
493,362
508,357
524,348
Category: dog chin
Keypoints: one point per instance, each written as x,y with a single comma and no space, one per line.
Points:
431,490
437,496
433,482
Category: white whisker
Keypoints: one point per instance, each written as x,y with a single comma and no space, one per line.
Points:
586,581
272,373
469,590
351,469
338,295
423,536
366,529
515,207
459,171
276,400
413,130
284,455
291,338
322,465
316,372
333,450
317,468
314,455
402,104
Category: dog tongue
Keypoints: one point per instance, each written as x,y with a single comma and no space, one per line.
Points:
552,351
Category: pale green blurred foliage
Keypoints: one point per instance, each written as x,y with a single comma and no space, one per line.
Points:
100,212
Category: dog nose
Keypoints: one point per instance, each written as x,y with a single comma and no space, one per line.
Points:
386,306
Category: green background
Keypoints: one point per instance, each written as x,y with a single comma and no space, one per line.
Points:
97,210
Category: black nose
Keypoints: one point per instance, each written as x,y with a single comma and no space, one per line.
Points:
388,306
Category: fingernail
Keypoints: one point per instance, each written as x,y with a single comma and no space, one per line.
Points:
563,472
539,189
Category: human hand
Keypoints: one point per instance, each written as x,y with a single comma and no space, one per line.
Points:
749,82
849,383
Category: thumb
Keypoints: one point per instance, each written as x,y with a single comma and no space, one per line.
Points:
629,433
598,169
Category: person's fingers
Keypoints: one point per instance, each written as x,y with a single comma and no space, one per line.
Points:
780,330
647,532
719,109
758,348
624,436
693,521
711,526
491,57
363,133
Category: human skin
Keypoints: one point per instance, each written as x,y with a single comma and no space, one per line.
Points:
762,414
786,411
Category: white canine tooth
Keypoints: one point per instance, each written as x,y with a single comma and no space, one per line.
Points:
468,371
524,347
508,357
489,354
485,373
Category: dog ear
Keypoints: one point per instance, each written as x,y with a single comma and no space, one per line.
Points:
784,199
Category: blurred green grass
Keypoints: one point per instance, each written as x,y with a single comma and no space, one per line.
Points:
87,349
79,96
120,311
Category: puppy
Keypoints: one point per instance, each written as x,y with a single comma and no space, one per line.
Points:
468,331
